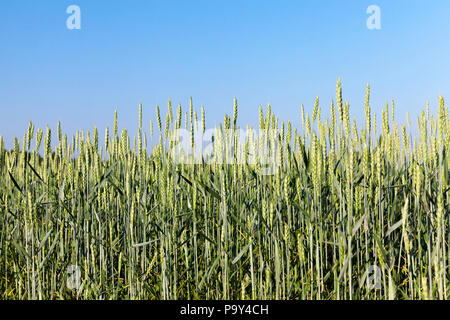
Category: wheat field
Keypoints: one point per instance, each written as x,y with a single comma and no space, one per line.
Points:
351,211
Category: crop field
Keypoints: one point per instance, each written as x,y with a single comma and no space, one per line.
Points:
334,209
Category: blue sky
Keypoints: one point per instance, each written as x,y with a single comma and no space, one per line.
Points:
282,52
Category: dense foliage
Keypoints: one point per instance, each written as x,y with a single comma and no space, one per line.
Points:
345,203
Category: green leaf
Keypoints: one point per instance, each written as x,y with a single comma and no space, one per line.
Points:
15,182
243,251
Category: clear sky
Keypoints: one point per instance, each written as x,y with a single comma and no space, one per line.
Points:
282,52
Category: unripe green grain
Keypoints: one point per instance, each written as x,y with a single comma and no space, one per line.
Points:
158,118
